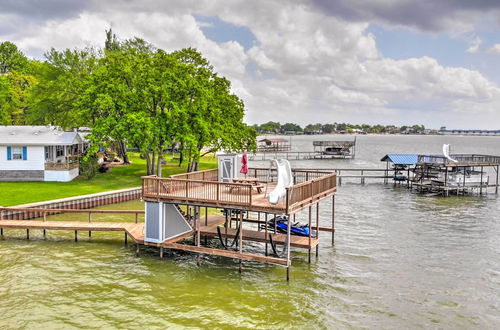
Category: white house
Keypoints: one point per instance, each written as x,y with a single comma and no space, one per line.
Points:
38,153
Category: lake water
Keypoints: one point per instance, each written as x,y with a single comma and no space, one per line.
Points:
400,260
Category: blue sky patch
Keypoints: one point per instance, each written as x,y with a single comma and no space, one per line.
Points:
220,31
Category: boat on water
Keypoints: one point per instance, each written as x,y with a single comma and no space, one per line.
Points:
461,176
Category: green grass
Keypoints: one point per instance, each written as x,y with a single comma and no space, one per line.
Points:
15,193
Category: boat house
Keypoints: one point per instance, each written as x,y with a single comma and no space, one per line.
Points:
335,149
39,153
274,145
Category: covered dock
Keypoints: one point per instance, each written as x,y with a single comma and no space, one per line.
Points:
334,149
456,174
274,145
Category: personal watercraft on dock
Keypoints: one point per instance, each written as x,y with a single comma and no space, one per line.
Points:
281,226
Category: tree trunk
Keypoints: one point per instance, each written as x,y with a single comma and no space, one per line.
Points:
158,167
148,164
181,158
153,162
123,152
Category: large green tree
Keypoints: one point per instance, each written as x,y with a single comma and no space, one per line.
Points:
63,78
11,58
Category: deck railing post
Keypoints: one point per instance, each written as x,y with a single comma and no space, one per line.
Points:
310,233
240,244
333,219
496,186
317,228
288,236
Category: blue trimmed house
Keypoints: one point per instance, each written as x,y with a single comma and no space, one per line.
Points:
39,153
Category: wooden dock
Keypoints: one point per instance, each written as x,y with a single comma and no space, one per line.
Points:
134,230
195,192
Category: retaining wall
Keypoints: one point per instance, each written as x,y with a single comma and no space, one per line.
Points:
77,202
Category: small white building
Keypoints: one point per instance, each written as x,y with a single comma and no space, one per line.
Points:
38,153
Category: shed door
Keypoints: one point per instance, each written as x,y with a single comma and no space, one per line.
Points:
227,170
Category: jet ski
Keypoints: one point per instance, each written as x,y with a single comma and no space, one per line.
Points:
282,227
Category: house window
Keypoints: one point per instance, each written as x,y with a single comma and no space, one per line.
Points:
59,151
17,153
49,153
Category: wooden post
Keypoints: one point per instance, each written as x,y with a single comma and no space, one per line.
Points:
496,186
161,252
481,182
198,237
90,220
136,217
446,182
76,236
226,224
309,238
126,238
240,245
27,234
317,228
137,250
206,223
288,263
333,220
265,232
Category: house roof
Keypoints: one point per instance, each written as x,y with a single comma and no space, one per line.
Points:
401,159
37,135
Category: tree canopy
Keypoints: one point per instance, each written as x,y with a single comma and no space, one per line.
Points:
131,94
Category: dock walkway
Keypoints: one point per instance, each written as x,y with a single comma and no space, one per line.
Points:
134,230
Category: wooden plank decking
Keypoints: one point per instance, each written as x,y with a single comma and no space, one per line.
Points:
259,236
134,230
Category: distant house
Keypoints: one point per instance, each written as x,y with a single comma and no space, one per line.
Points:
39,153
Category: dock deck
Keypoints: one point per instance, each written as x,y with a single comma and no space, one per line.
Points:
134,230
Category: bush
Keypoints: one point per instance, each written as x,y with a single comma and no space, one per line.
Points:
89,166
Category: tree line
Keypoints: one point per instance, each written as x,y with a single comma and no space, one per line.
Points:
318,128
131,94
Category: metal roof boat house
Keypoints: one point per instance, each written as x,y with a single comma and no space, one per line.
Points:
274,145
334,149
457,174
39,153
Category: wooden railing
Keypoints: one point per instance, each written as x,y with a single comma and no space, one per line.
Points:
197,190
318,185
60,166
207,175
69,163
267,175
307,192
8,212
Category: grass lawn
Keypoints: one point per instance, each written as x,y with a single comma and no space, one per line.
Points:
15,193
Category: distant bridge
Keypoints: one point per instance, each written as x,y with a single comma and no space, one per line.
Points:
470,132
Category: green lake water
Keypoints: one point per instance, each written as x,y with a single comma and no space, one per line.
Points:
400,260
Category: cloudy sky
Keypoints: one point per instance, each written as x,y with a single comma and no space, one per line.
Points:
360,61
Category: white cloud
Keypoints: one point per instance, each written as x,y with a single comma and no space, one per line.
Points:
495,49
305,66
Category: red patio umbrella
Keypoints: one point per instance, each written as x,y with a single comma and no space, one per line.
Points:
244,164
